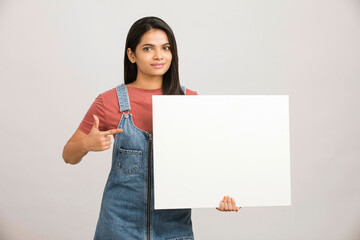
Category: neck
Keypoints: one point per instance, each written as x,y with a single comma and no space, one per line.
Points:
147,82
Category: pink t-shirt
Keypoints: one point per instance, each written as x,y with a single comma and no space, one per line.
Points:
106,108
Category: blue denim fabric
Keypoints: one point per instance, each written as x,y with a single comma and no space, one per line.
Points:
127,207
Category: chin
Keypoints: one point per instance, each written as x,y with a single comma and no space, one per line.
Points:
159,73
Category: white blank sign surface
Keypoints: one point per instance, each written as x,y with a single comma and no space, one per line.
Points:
206,147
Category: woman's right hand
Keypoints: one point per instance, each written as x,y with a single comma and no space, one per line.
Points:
99,140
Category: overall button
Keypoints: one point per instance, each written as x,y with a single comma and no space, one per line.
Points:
126,115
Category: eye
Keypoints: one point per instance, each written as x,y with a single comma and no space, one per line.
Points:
167,48
146,48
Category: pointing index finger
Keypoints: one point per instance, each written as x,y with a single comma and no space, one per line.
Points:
113,131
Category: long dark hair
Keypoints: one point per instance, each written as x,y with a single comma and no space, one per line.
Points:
171,82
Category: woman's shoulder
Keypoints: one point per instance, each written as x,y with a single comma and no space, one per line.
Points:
108,95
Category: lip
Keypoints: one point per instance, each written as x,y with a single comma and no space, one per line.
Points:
158,65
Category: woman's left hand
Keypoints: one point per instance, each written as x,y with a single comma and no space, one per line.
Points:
228,204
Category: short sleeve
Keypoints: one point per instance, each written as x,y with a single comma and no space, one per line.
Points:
191,92
96,108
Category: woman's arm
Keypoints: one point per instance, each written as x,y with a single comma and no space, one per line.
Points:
81,143
76,148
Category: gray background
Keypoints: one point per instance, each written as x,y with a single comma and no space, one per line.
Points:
57,56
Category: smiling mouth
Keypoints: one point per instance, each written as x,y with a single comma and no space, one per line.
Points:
157,65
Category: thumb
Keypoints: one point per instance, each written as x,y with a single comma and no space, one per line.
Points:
96,122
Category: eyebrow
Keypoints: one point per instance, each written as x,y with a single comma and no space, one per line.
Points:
149,44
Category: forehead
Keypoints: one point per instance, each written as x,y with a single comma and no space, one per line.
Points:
155,37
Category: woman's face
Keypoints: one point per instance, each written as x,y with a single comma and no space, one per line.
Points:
152,55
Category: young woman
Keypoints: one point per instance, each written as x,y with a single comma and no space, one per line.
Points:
127,208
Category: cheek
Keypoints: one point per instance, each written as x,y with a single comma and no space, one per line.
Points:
169,57
144,60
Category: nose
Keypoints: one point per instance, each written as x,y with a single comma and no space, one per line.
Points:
158,55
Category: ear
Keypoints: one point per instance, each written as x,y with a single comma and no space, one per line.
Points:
131,55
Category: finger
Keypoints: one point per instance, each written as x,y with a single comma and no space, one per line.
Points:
229,203
103,147
233,204
221,207
113,131
226,208
107,138
96,122
107,143
106,147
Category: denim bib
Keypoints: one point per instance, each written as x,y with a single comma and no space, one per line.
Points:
127,208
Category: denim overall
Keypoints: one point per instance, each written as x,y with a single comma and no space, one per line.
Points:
127,207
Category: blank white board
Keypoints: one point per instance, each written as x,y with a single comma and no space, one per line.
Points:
209,146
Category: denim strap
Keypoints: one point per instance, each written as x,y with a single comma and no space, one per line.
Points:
123,98
184,90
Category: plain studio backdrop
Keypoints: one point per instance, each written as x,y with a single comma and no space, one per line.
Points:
57,56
